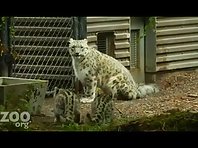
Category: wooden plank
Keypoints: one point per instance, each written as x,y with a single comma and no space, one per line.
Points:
122,45
162,18
178,30
177,65
107,27
178,56
92,38
177,47
125,63
181,21
122,54
92,44
122,36
177,39
105,19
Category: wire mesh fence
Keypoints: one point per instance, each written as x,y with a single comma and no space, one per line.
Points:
41,45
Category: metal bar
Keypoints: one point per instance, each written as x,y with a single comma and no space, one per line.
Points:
4,40
82,27
75,28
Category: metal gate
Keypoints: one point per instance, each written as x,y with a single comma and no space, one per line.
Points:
41,45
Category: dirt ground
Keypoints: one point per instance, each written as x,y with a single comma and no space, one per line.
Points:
178,90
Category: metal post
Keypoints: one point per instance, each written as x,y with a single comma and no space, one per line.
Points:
75,28
4,40
150,54
82,27
75,36
9,57
79,28
79,32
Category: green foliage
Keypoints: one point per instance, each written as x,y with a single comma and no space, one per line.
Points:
12,30
149,25
174,120
2,108
85,127
2,25
3,49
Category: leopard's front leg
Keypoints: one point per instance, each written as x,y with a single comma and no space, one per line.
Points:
90,85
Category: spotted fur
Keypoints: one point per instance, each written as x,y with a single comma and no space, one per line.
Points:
66,106
95,69
101,110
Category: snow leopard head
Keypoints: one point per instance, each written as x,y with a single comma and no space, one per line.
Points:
78,48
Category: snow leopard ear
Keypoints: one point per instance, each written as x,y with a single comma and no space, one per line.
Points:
71,40
85,40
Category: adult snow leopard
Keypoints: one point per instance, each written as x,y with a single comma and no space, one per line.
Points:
94,68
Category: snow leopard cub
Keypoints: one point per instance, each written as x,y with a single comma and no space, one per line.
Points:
66,106
101,108
95,69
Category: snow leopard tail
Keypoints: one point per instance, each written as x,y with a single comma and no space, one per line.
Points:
144,90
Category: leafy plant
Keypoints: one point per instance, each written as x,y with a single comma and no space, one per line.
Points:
3,24
150,24
2,108
3,49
